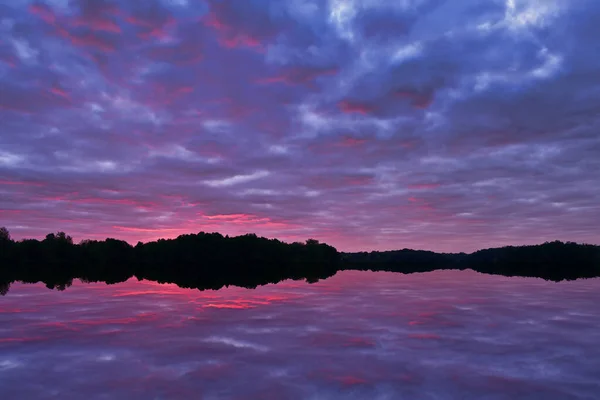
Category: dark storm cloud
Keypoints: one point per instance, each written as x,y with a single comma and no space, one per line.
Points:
368,124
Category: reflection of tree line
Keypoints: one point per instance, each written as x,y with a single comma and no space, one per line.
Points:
211,261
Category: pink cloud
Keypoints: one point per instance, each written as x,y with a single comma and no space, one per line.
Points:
150,18
160,32
418,99
231,217
230,305
91,40
339,181
58,91
233,30
424,186
44,12
180,54
248,219
241,41
299,75
424,336
349,141
9,59
157,95
98,24
30,101
20,183
146,230
75,198
350,107
351,380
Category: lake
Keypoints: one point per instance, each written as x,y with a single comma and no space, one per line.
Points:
357,335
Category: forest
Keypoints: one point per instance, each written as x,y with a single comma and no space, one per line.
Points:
554,261
211,261
203,260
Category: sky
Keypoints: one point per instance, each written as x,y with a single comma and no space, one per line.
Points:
368,124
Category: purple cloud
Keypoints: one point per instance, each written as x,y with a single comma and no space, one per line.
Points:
369,125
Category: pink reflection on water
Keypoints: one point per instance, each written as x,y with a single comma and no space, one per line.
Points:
441,335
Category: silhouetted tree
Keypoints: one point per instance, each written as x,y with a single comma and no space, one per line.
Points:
6,255
4,235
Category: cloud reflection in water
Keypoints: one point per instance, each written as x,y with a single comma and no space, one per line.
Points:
358,335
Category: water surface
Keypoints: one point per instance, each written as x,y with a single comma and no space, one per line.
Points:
358,335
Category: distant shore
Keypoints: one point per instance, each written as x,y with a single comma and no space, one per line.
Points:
211,261
554,261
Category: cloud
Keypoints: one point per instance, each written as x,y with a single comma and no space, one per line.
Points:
228,19
236,179
367,124
299,75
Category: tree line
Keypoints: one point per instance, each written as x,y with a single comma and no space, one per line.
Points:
211,261
554,261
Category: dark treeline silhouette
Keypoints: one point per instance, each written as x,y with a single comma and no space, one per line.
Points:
555,261
203,261
211,261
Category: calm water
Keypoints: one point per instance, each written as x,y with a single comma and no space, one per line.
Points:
358,335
